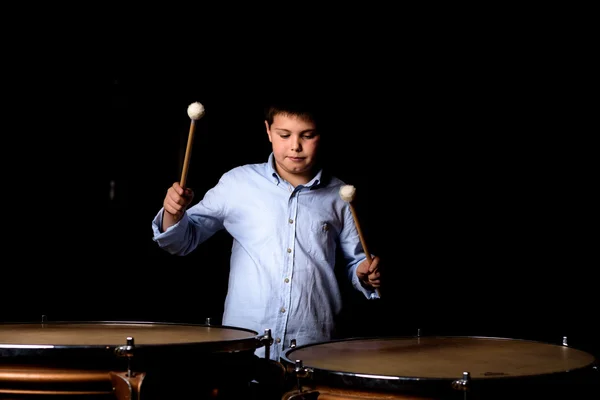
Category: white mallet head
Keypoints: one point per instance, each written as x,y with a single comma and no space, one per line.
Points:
195,111
347,192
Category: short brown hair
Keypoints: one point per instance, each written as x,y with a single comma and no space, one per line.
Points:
306,110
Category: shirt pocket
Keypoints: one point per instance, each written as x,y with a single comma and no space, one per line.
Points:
322,242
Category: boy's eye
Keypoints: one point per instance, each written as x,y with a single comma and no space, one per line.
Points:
304,136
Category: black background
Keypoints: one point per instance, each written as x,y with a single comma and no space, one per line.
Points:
472,161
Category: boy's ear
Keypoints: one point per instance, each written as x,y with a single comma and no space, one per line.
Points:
268,130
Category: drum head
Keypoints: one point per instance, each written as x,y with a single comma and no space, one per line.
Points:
391,363
37,339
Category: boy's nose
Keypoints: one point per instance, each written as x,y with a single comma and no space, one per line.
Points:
296,145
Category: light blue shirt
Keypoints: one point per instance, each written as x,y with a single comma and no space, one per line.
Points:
283,255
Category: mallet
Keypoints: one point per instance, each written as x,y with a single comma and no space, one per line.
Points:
195,112
347,193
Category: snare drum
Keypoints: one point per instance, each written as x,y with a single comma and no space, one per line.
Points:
122,360
437,368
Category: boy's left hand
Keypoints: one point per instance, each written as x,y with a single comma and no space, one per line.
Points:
369,273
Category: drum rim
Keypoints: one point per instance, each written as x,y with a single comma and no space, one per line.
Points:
252,342
353,378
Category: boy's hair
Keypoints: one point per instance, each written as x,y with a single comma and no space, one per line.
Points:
308,111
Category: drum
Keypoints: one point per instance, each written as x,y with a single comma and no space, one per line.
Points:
125,360
438,368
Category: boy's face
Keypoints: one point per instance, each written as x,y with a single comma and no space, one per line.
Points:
295,143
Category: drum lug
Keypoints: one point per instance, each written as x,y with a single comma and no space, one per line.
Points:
267,341
302,371
127,386
126,351
463,384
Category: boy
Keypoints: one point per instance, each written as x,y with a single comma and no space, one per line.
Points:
288,222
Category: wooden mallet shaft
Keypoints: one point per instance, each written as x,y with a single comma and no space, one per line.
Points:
188,154
360,233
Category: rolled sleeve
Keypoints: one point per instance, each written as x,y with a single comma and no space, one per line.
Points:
170,239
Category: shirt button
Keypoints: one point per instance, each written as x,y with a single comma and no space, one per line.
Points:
289,250
291,221
282,310
286,280
278,340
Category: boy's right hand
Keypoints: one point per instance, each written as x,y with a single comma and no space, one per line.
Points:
176,202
